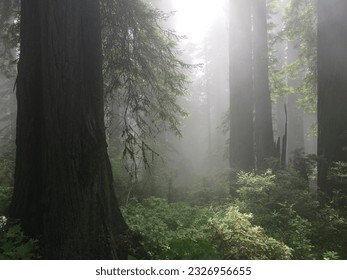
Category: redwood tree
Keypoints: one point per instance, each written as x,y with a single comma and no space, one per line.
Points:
263,131
332,87
241,87
64,193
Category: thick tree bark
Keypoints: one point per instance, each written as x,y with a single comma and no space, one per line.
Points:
263,130
64,191
332,87
241,89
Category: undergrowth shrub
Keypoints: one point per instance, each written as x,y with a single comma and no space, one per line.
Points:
288,210
329,232
276,201
7,159
173,230
14,245
237,238
5,199
337,178
190,249
7,162
181,231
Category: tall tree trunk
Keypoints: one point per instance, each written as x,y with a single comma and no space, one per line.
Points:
263,130
241,89
64,191
296,135
332,87
284,140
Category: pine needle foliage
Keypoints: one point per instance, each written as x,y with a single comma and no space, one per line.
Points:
143,75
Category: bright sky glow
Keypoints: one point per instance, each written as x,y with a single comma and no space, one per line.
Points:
194,17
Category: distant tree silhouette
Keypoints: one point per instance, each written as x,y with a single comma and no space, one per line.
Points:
241,87
332,87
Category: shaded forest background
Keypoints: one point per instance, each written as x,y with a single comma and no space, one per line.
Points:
229,146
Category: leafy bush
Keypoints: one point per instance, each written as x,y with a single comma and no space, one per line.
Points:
181,231
337,178
289,211
188,249
330,255
5,198
6,175
287,220
7,162
170,230
294,230
14,245
277,202
329,232
237,238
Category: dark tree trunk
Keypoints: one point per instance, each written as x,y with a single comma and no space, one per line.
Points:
296,137
263,131
241,89
332,87
284,140
64,191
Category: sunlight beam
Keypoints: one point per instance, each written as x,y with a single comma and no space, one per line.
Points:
195,17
